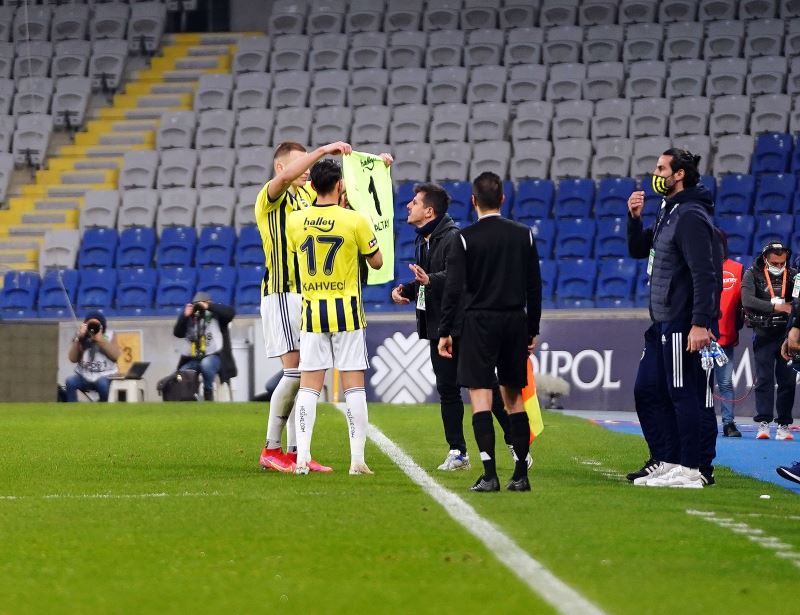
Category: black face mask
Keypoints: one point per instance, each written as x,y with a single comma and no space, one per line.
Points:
660,185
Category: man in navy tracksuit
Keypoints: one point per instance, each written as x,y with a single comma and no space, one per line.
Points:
672,391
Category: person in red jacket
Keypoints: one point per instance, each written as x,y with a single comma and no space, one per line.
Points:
730,322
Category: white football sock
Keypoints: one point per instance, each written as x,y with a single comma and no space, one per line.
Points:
357,421
305,414
291,432
280,406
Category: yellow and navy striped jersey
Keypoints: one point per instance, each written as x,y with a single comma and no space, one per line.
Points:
328,240
281,274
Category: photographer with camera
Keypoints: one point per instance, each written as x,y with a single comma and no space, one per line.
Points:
767,290
204,326
95,351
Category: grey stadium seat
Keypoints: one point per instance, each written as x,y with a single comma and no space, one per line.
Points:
478,14
645,154
566,82
215,128
643,42
215,167
177,208
252,54
406,49
402,15
770,113
532,122
69,22
558,13
649,117
6,170
254,128
332,124
731,116
293,124
100,208
493,156
531,160
597,12
290,89
611,118
767,75
177,168
367,50
571,158
328,51
409,124
486,84
7,125
59,249
447,85
646,79
368,87
244,214
637,11
71,101
792,45
445,48
6,59
677,10
252,91
488,122
686,78
146,26
326,16
603,43
724,39
289,52
757,9
407,87
138,208
213,92
108,60
603,80
371,124
34,95
412,162
139,169
363,16
562,44
7,90
733,154
689,116
329,88
109,21
449,123
789,9
711,10
484,47
526,82
764,38
726,76
441,14
684,41
176,130
524,46
612,157
32,137
699,145
573,119
32,24
6,22
288,16
518,13
215,207
451,161
793,79
71,58
33,59
253,167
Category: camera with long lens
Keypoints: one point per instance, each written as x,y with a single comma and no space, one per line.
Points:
198,309
92,328
712,353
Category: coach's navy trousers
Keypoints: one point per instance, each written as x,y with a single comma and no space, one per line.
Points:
674,400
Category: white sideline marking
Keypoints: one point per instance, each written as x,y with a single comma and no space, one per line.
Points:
107,496
598,467
532,573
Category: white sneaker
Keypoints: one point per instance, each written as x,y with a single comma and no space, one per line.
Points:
360,468
783,433
680,476
455,461
660,470
528,458
763,431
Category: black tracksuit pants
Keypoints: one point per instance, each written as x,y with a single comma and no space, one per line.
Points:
771,366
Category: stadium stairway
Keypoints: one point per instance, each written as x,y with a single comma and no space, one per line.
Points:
54,198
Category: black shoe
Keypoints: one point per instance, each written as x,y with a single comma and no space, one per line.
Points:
648,467
707,473
729,430
208,395
486,484
522,484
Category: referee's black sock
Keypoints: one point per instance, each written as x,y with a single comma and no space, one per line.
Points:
499,411
521,439
483,427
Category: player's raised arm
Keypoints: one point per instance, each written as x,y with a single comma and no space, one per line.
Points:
289,172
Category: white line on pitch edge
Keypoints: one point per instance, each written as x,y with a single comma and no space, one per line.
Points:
531,572
106,496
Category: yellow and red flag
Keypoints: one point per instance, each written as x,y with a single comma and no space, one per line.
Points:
531,402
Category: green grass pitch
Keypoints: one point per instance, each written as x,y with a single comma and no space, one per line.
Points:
162,508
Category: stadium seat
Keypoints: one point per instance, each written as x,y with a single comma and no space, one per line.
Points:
177,129
215,167
214,129
254,128
460,208
576,279
518,14
219,282
252,54
215,207
574,198
249,248
602,41
684,40
532,121
739,230
53,301
59,250
139,169
445,48
544,232
572,119
616,279
548,270
176,247
612,157
288,16
689,116
575,238
649,117
215,246
107,63
451,161
18,295
96,290
731,116
773,153
571,158
248,289
146,26
612,196
645,154
611,118
770,227
641,291
612,239
710,184
565,83
109,21
213,92
534,200
245,214
252,91
412,161
735,195
136,247
177,168
176,286
527,82
376,296
136,291
774,194
98,248
492,156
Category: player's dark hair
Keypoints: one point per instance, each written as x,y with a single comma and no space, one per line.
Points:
434,196
324,175
286,147
487,189
684,159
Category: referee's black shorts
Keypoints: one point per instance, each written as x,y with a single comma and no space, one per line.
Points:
489,340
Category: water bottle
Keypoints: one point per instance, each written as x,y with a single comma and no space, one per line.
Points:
706,359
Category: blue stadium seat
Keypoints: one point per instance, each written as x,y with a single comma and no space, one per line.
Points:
735,195
249,248
612,197
544,232
18,298
574,198
96,290
548,270
136,247
616,279
136,291
575,238
215,246
710,183
508,203
460,208
795,163
176,286
404,243
739,230
612,238
775,193
534,200
642,291
377,296
219,282
177,246
53,302
570,303
248,289
576,279
98,247
548,304
773,153
611,302
768,228
403,194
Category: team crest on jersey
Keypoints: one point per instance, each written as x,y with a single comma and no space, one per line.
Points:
320,223
373,242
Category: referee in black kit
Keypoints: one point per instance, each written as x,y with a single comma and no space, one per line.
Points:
496,264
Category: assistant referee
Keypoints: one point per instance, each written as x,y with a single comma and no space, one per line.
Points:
496,263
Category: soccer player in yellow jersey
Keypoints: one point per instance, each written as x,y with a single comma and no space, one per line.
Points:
328,240
286,192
